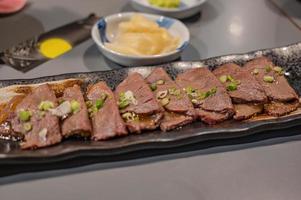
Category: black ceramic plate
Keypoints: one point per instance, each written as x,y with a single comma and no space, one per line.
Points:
288,57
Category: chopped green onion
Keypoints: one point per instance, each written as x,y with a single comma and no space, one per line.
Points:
277,69
230,78
89,104
130,116
99,103
162,94
104,96
27,126
45,105
231,86
123,104
204,95
237,82
153,86
160,82
268,68
255,71
24,115
92,110
189,89
165,101
213,90
174,91
75,106
268,79
194,101
223,78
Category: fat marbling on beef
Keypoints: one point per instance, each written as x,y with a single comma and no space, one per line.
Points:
106,120
248,96
76,123
211,101
283,97
40,128
179,110
138,105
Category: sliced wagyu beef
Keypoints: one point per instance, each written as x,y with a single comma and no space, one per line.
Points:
283,98
104,112
246,93
178,107
33,119
137,104
76,121
209,97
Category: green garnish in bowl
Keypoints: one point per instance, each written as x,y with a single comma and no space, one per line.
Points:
165,3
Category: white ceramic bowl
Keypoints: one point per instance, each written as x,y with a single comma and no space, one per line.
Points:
106,28
187,8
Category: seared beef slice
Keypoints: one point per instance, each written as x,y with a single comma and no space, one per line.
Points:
39,126
283,97
210,99
77,122
246,93
178,107
138,106
106,119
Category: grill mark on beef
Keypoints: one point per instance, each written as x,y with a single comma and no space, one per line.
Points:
279,91
147,108
179,111
215,108
107,122
49,122
77,123
249,94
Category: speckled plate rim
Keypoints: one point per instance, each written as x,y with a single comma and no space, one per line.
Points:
196,132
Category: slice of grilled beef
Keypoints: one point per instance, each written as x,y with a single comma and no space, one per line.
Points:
106,120
283,98
246,111
138,105
248,94
42,128
210,99
78,122
179,110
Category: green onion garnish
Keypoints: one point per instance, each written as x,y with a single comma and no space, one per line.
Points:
27,126
24,115
255,71
268,79
45,105
160,82
75,106
165,101
268,68
223,78
153,86
232,86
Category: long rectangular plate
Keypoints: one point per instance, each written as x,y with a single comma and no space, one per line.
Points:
288,57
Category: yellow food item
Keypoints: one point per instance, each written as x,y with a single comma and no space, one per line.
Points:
54,47
142,37
165,3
